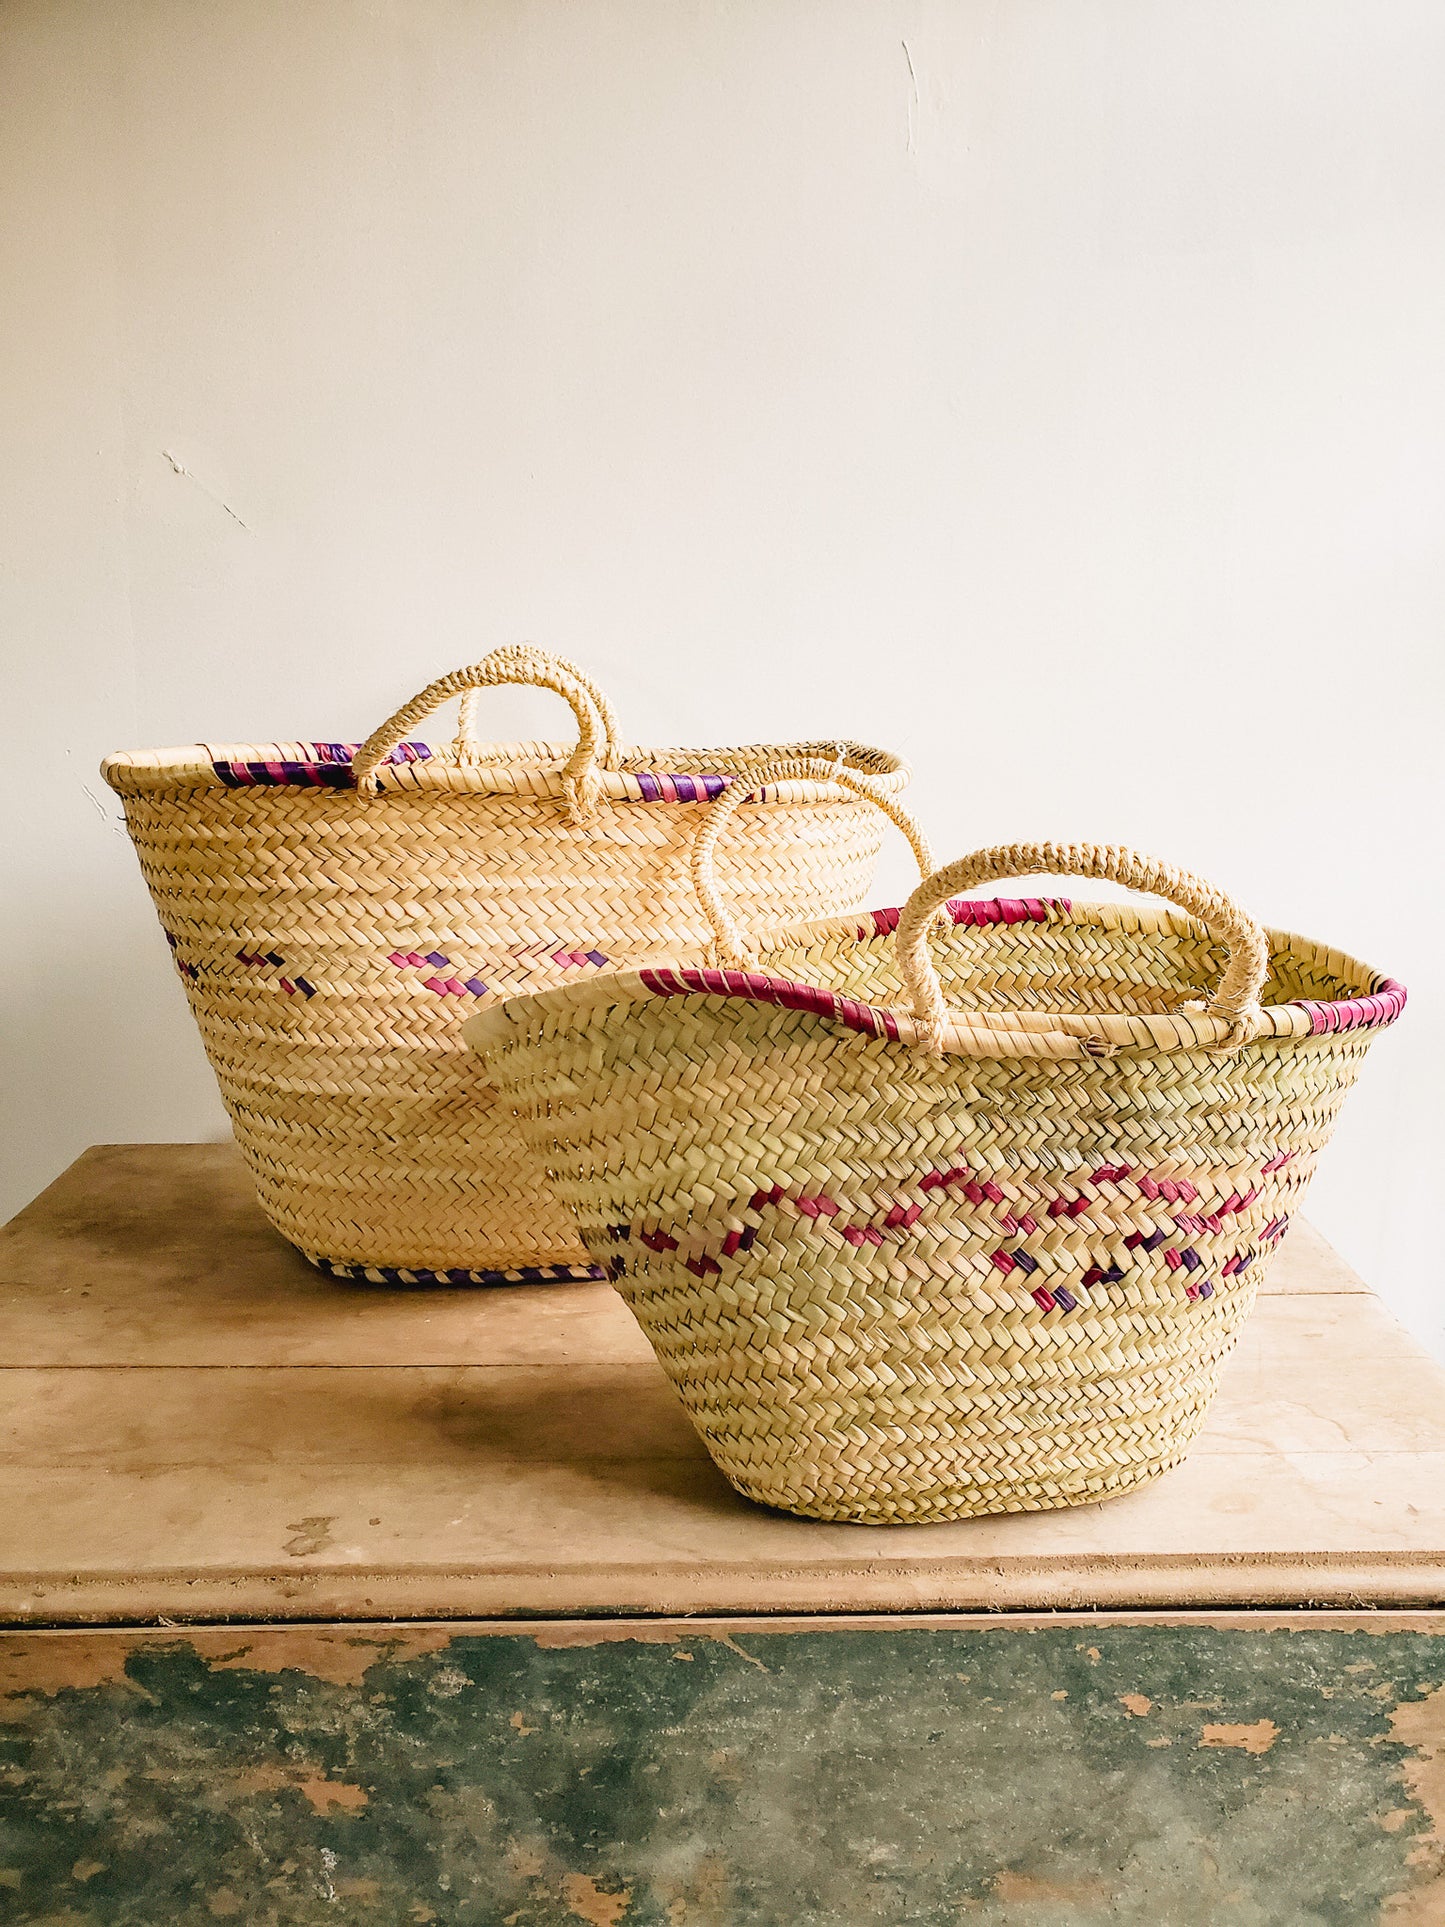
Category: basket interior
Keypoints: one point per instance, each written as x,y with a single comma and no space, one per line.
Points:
1051,955
317,764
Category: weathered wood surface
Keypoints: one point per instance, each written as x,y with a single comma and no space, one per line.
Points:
1072,1772
279,1444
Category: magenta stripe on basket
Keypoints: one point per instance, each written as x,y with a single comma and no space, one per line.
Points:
981,911
1357,1013
755,988
978,912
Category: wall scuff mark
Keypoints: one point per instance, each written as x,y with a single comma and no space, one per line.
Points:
181,469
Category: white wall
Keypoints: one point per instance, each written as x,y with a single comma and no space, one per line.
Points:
1051,391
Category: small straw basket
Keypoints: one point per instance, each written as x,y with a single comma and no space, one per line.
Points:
334,911
953,1211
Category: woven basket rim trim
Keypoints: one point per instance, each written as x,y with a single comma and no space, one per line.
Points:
982,1033
662,775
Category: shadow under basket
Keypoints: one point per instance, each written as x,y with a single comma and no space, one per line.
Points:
926,1222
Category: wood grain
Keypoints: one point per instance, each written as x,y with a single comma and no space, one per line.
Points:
196,1424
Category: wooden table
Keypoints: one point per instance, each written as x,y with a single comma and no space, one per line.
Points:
407,1605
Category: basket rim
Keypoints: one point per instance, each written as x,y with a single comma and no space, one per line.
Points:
666,775
980,1033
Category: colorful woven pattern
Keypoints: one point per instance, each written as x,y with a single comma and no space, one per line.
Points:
957,1220
305,765
335,912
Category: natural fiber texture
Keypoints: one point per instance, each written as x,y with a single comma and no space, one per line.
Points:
334,913
984,1254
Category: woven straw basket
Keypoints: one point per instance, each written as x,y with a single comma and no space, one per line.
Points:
335,912
925,1222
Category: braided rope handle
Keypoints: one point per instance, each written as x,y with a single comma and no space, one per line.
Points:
731,946
1235,1002
466,745
516,663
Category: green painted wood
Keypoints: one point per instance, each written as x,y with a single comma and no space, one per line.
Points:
1044,1776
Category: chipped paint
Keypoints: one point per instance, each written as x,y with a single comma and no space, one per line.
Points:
322,1793
1256,1738
796,1773
600,1633
588,1902
1419,1725
38,1665
565,1635
705,1899
339,1658
1018,1889
726,1639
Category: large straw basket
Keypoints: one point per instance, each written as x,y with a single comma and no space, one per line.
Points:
335,912
925,1223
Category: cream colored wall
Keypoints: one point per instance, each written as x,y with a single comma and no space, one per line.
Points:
1054,392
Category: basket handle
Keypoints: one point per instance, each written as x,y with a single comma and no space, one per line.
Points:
467,747
515,663
731,946
1235,1002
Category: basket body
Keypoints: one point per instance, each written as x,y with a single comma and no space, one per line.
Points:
330,944
896,1287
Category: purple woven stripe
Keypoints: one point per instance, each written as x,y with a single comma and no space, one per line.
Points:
662,786
328,767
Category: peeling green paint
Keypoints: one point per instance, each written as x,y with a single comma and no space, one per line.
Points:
1039,1777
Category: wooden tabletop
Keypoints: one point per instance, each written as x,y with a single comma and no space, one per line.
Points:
198,1425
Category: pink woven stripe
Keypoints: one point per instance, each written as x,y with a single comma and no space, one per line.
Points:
978,912
1357,1013
754,986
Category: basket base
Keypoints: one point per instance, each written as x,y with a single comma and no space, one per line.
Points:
925,1508
457,1275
